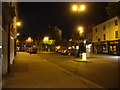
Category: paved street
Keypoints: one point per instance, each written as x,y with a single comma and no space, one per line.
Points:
101,69
33,71
52,70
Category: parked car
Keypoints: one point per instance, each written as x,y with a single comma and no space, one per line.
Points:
59,50
69,52
64,51
33,50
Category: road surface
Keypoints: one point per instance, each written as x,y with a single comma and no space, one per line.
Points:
52,70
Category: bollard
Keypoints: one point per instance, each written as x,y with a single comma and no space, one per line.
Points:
84,57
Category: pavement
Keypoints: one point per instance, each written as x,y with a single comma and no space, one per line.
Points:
31,71
94,55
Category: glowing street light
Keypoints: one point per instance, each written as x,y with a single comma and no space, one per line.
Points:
57,47
18,23
80,29
74,7
79,8
29,39
46,38
18,34
82,7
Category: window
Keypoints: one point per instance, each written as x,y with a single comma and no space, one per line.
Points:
96,29
115,22
103,27
99,39
116,34
38,43
104,37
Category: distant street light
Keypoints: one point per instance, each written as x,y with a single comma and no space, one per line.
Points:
46,38
29,39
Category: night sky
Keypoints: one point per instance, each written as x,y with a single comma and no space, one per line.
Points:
36,16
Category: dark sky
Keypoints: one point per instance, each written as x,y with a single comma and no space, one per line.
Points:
36,16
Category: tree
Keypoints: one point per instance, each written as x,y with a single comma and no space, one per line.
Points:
54,33
48,41
76,38
113,9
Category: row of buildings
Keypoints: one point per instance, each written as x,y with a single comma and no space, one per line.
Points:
104,37
24,43
8,35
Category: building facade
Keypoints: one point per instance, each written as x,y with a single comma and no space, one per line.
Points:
25,43
9,20
106,37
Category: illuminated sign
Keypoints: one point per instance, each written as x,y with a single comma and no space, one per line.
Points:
115,42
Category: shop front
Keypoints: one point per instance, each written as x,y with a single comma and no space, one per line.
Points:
114,47
97,47
100,47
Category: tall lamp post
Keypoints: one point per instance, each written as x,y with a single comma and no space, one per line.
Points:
79,9
81,30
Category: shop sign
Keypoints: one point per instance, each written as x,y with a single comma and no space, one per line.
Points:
114,42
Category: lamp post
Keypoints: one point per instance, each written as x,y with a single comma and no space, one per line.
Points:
79,9
81,30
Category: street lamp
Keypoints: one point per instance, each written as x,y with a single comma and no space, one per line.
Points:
79,8
46,38
82,7
74,7
18,34
29,39
18,23
80,29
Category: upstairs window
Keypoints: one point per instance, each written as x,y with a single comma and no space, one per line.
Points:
96,30
116,23
103,27
104,37
116,34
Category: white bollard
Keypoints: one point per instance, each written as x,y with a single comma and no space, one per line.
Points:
84,57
